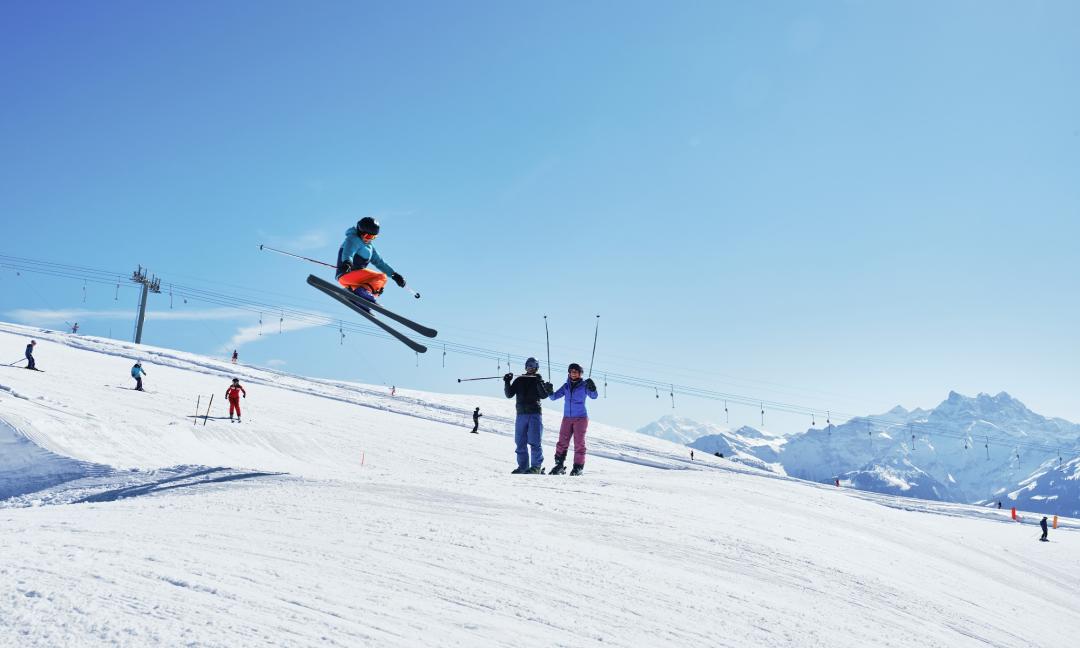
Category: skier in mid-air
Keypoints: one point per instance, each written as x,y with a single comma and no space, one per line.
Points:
575,418
529,425
233,395
354,256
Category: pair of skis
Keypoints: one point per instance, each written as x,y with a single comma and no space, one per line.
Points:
364,308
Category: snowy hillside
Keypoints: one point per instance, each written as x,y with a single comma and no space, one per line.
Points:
1055,485
338,515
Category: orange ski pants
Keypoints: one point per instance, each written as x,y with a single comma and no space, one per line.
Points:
373,280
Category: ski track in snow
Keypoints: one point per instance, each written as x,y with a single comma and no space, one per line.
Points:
336,515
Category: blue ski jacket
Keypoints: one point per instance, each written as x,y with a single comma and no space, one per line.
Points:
137,371
575,393
356,255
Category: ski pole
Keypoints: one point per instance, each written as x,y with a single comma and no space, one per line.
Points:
195,421
595,335
295,256
484,378
547,336
11,364
208,410
414,293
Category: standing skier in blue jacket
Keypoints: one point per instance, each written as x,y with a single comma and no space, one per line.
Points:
575,419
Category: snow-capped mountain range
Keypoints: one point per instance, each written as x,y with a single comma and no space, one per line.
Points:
967,449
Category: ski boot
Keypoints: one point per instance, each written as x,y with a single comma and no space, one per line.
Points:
578,469
363,293
519,471
535,470
559,468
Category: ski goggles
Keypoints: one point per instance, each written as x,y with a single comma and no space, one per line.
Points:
368,237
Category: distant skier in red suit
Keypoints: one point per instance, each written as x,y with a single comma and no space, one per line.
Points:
233,394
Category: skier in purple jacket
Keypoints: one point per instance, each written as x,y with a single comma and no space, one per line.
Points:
575,419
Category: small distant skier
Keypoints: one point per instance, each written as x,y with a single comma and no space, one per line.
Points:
1043,525
74,328
529,425
476,420
137,372
837,482
691,455
354,256
999,504
30,355
235,356
719,454
575,418
393,390
233,395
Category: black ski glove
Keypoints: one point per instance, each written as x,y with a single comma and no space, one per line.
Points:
549,388
508,377
590,385
398,279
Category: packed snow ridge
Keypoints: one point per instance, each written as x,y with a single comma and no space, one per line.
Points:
338,515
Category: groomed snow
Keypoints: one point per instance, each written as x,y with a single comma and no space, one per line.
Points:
336,515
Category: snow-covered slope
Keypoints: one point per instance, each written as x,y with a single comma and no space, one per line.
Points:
336,515
1054,486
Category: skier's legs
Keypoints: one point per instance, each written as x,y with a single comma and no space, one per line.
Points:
138,383
566,428
370,280
536,430
580,426
30,362
521,432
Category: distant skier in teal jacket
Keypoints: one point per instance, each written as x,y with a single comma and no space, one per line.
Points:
137,372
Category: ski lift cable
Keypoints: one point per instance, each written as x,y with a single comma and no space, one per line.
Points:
315,319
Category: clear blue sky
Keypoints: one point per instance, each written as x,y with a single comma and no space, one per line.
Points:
845,205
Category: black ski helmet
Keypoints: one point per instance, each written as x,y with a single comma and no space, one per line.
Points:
367,225
574,367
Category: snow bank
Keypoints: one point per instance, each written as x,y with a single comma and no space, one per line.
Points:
337,515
